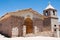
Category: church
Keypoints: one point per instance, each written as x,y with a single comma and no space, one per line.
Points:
28,22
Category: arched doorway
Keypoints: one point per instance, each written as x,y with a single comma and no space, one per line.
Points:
29,25
15,32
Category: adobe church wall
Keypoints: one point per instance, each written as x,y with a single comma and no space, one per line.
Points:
47,24
39,23
6,27
10,23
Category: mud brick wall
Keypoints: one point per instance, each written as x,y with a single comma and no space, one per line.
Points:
9,23
47,24
39,23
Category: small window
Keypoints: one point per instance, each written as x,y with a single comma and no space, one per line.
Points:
54,29
53,12
54,25
46,14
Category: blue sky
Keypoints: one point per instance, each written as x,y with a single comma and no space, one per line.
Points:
38,5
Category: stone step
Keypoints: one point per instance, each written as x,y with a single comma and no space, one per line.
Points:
39,34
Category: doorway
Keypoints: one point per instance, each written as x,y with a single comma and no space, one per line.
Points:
29,25
15,32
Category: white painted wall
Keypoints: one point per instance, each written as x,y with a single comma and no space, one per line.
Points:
24,30
51,12
55,22
15,32
35,29
26,14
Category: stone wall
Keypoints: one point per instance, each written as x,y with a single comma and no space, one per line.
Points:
39,23
47,24
17,20
11,22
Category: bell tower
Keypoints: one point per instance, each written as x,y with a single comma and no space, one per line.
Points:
51,13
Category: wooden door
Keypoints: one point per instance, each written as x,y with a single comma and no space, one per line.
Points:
29,25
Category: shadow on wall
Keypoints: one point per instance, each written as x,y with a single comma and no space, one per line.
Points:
6,35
